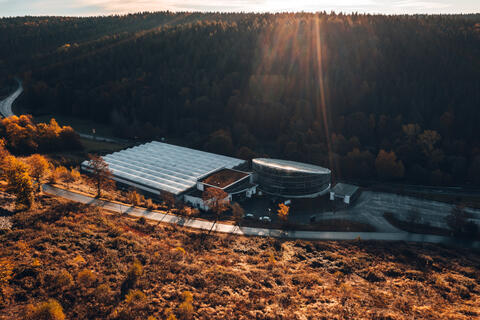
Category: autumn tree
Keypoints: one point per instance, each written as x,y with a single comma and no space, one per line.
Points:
23,135
388,167
100,173
283,211
220,142
39,169
428,140
19,182
4,154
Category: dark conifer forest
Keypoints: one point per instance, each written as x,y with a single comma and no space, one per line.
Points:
393,98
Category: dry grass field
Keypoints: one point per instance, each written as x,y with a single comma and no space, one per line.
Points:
97,265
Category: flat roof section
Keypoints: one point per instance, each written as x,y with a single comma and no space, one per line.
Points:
164,167
223,178
343,189
291,166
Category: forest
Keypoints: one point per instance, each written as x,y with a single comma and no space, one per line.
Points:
390,98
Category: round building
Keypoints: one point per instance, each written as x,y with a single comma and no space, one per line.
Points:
291,179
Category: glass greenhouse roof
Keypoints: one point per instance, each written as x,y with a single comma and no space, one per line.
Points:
157,166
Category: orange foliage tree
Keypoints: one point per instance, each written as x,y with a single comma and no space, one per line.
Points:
23,135
3,156
283,211
39,169
19,181
388,167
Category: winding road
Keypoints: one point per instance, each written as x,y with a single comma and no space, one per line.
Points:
6,111
259,232
6,104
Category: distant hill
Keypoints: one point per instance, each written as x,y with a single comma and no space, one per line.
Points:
394,98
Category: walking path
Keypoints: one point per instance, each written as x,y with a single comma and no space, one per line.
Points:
260,232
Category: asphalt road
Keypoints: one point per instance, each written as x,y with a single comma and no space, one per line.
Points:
6,104
6,111
260,232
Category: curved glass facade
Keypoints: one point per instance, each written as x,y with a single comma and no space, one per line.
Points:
291,179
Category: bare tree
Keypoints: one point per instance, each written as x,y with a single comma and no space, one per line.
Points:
101,174
237,212
217,202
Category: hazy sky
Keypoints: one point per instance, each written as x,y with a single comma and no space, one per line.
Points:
102,7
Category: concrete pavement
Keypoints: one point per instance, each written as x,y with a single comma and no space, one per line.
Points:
260,232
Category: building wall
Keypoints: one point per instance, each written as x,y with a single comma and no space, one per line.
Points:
290,183
199,203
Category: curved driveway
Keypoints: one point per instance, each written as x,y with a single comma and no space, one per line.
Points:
6,104
261,232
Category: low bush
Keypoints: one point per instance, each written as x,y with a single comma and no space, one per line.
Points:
62,280
135,298
50,310
86,277
185,309
103,293
133,274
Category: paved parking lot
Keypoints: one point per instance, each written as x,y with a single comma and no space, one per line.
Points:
368,208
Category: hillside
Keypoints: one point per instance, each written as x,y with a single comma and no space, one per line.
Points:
88,260
390,98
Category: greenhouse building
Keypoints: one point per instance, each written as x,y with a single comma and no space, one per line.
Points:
157,168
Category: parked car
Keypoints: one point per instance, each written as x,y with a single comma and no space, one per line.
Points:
249,216
265,219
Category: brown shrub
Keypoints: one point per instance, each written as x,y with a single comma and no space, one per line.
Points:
150,205
64,175
50,310
62,280
135,298
134,198
86,277
103,293
135,271
185,309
